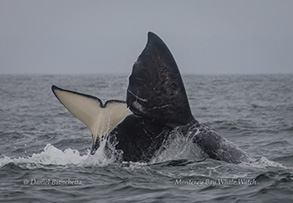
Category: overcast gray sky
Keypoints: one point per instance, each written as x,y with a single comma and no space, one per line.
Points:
92,36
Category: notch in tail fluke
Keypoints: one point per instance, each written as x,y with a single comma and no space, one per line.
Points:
100,118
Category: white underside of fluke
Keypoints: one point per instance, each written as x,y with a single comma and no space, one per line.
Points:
100,119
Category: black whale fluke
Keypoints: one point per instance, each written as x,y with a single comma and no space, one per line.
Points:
155,89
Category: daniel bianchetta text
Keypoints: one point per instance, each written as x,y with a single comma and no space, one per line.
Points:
224,181
52,182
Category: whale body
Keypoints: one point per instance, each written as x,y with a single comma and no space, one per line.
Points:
156,105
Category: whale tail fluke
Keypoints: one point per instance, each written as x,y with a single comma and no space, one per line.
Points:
100,118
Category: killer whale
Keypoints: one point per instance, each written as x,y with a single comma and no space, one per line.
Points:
156,104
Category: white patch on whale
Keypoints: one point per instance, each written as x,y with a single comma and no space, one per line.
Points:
100,119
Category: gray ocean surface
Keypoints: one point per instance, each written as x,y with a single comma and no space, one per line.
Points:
44,150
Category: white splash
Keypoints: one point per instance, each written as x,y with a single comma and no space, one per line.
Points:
263,163
175,148
178,146
54,156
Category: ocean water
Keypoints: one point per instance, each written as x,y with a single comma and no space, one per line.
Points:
44,150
